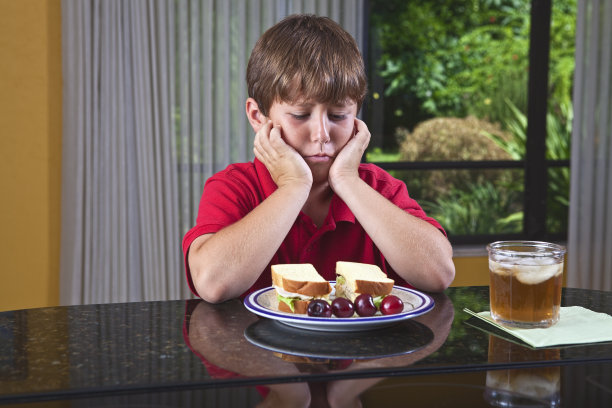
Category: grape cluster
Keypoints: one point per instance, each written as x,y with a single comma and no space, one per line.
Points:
364,306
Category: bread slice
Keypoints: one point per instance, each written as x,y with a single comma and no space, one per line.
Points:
302,279
353,279
299,306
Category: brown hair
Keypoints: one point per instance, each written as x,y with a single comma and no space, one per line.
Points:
306,56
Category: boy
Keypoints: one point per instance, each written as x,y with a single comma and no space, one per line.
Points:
307,198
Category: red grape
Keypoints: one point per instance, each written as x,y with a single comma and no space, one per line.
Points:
391,305
364,305
342,307
319,308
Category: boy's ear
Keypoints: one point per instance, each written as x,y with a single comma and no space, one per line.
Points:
256,118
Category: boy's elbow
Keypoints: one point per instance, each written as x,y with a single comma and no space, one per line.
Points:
447,267
209,290
204,274
442,277
214,296
207,287
446,275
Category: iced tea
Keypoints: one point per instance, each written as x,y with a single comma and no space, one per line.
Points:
525,283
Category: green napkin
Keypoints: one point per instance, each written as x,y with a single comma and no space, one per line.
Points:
576,325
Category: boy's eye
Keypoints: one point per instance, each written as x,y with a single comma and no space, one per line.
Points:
337,116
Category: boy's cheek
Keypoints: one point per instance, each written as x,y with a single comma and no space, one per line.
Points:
289,138
292,135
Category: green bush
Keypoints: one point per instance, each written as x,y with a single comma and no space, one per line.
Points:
452,139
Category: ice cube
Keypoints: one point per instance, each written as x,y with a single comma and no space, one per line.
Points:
534,274
499,268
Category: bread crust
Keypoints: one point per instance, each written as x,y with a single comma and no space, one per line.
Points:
301,306
303,288
299,359
373,288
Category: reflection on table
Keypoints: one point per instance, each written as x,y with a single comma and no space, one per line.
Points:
518,387
225,352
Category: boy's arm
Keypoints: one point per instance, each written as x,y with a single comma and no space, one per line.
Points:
225,264
415,249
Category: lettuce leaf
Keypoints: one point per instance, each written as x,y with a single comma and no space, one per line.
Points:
377,301
289,301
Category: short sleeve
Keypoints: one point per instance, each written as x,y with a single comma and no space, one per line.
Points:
227,197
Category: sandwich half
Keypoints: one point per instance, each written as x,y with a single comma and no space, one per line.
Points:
296,285
353,279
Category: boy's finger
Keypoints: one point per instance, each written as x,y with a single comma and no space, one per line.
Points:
360,126
276,138
263,135
363,133
275,131
260,153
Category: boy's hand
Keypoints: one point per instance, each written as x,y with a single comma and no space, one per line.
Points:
347,161
284,163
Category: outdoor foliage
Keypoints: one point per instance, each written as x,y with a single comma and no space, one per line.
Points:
453,57
479,209
465,57
559,131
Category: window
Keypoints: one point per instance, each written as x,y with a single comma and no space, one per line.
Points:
470,105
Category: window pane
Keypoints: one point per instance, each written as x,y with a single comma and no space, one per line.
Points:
557,200
560,78
559,117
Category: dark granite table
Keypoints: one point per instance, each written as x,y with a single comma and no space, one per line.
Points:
190,353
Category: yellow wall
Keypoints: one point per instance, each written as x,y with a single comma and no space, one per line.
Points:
30,165
30,148
471,270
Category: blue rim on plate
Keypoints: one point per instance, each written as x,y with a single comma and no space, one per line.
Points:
263,303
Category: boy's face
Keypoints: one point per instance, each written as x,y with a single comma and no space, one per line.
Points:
318,131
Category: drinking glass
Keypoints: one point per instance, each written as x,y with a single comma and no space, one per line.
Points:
525,282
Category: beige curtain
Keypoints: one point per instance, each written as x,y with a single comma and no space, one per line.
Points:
590,224
153,104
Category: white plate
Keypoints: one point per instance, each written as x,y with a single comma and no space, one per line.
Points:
264,303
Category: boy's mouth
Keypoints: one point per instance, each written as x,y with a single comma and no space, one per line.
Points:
318,158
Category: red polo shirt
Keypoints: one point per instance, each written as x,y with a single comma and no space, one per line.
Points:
232,193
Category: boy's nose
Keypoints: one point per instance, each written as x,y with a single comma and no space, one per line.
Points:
321,131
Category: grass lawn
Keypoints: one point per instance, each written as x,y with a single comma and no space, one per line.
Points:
378,155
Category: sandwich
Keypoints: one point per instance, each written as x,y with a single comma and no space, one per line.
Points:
296,285
354,279
315,364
